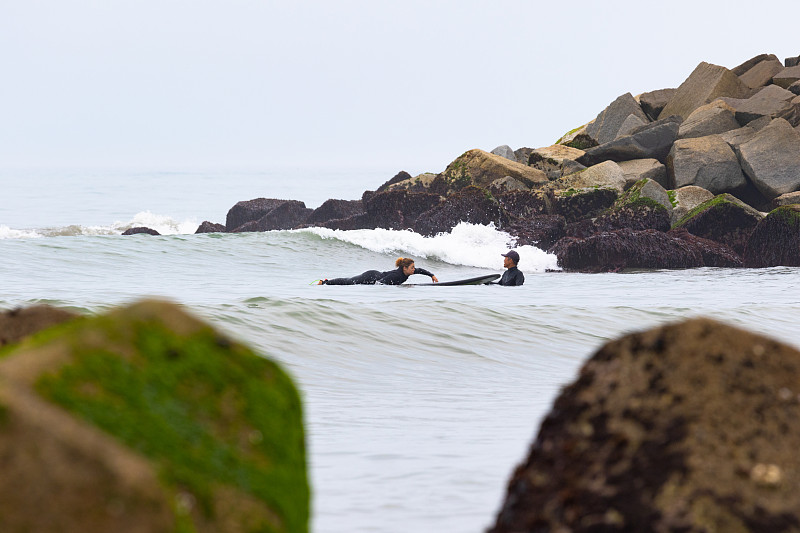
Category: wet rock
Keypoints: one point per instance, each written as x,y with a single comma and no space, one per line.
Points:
20,323
686,199
638,169
686,427
653,102
771,159
542,231
575,205
471,204
287,215
249,211
776,239
525,204
210,227
606,127
146,419
394,209
714,254
400,176
479,168
762,72
140,230
724,219
651,141
787,76
771,101
705,84
505,151
625,249
716,117
334,210
556,161
707,162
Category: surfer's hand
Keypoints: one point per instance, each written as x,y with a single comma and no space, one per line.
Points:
435,279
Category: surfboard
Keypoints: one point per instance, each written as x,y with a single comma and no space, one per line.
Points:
479,280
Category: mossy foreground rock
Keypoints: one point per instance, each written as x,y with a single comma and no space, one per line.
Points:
689,427
147,420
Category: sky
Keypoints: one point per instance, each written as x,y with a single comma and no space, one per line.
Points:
341,84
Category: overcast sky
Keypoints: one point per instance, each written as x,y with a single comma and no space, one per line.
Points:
398,85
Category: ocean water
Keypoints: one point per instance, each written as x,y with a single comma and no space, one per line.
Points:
419,401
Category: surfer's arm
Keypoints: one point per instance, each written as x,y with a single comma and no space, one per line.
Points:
426,273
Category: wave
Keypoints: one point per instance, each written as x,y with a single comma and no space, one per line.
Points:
474,245
163,224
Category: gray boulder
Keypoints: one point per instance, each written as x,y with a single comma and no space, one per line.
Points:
708,162
607,125
750,63
651,141
787,76
716,117
637,169
654,101
705,84
771,159
738,136
761,74
522,154
603,175
771,101
686,199
630,124
505,151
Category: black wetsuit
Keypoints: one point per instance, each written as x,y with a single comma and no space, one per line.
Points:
512,276
371,277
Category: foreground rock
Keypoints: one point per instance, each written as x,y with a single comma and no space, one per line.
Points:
147,420
17,324
688,427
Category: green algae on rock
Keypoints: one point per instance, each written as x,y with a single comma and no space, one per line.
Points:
214,430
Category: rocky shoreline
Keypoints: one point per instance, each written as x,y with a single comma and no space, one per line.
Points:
705,174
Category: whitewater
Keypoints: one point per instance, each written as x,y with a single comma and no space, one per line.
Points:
419,401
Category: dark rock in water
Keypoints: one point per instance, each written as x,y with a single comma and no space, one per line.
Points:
249,211
335,209
750,63
525,204
724,219
708,162
653,102
17,324
287,215
471,204
651,141
542,231
140,229
210,227
714,254
625,248
400,176
776,240
771,101
396,209
704,85
606,126
582,204
771,159
687,427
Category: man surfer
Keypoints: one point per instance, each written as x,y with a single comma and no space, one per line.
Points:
512,276
405,268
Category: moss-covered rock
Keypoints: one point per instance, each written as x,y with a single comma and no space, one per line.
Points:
776,240
18,324
479,168
724,219
580,204
146,419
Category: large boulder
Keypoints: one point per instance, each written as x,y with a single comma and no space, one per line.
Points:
750,63
287,215
787,76
556,161
771,101
606,127
525,204
249,211
686,199
471,204
653,102
335,209
714,254
761,73
606,175
542,231
392,209
776,240
145,419
17,324
771,159
480,169
705,84
724,219
716,117
580,204
638,169
707,162
686,427
651,141
507,184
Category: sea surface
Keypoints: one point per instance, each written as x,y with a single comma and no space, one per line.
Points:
419,401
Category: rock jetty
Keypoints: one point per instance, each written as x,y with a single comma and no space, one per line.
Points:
712,157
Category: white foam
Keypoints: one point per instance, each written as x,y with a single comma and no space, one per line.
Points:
8,233
467,244
163,224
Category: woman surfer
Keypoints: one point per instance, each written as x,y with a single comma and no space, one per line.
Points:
405,268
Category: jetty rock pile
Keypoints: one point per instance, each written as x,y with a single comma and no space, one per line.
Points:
144,419
712,157
686,427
